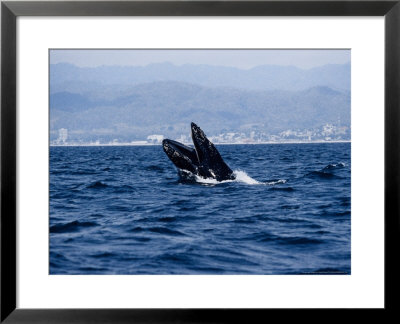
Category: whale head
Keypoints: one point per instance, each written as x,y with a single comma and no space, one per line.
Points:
182,156
204,160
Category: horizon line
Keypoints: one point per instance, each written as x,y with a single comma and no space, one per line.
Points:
256,143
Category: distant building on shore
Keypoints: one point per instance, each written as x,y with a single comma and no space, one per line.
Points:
155,139
62,136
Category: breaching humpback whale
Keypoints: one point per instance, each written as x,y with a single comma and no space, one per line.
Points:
204,160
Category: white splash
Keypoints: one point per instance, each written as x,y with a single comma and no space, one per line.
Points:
242,176
210,181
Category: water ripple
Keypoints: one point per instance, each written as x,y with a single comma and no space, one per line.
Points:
126,210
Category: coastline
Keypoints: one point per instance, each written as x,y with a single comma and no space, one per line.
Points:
150,144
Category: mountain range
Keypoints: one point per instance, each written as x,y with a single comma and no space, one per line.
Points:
67,77
102,111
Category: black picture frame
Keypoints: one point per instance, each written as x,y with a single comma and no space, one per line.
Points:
10,10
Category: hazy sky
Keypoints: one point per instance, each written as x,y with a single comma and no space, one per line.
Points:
236,58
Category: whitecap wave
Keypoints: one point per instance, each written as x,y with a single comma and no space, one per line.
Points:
335,165
272,183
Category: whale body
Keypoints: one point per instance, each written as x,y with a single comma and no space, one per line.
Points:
204,160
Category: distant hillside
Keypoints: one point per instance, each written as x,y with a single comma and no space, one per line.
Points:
67,77
167,108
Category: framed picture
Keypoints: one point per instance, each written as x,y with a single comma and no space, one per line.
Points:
178,161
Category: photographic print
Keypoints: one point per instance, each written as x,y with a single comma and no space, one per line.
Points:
200,161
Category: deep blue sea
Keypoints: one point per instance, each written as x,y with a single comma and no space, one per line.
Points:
126,210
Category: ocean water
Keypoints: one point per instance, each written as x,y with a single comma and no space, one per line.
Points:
126,210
